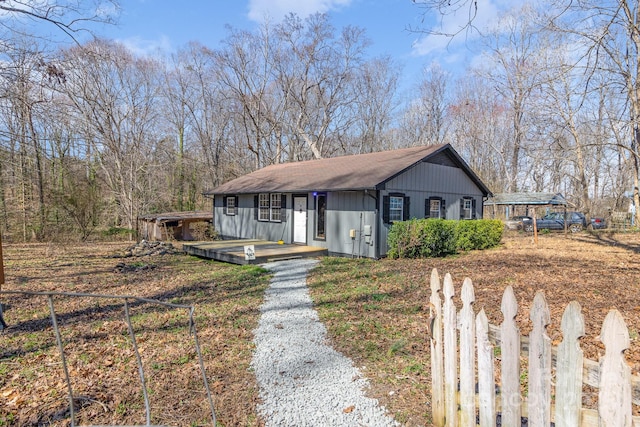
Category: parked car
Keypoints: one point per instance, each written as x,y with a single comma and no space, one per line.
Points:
598,223
516,222
576,221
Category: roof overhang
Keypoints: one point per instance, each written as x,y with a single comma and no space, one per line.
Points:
528,199
178,216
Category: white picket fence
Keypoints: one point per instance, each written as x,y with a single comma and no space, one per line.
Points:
466,395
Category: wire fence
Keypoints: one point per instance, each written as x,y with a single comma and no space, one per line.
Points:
127,302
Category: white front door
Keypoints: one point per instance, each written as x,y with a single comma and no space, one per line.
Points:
300,220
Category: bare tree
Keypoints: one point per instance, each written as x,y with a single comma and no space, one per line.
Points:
292,87
377,101
566,109
480,131
211,108
424,120
28,30
516,67
606,36
26,99
317,71
114,95
441,9
176,92
245,68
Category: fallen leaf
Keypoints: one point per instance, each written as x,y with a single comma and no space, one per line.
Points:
6,393
349,409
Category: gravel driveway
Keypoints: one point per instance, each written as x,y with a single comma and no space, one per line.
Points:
303,381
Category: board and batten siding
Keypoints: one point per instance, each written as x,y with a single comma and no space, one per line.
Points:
427,180
346,211
243,224
239,226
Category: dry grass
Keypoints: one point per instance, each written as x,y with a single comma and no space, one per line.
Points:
101,360
376,313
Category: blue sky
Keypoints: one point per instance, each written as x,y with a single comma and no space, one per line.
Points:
147,25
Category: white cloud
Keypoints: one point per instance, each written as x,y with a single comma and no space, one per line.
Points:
147,47
463,49
259,10
456,23
107,11
487,19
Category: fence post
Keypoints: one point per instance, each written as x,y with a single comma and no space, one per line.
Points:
450,353
510,353
569,368
467,356
539,395
486,379
614,396
437,366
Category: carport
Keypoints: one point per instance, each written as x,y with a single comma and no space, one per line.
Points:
506,205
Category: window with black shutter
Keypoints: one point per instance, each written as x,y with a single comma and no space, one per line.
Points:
467,208
395,207
434,207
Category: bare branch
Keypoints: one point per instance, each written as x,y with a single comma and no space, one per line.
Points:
443,8
69,16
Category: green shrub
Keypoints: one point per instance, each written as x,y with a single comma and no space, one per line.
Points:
425,238
438,237
400,239
419,238
478,234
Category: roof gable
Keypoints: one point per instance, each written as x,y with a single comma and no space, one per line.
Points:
355,172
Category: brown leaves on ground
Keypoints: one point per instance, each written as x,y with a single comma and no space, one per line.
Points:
377,312
98,349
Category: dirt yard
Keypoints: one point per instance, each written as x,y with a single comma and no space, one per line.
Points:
376,312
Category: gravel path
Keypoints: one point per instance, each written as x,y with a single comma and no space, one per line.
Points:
304,382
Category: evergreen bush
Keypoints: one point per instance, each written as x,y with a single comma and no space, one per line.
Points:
479,234
425,238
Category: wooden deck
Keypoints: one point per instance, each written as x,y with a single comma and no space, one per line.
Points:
233,251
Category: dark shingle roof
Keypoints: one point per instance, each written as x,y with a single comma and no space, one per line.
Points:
356,172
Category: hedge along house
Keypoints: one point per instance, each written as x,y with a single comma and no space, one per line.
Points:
348,204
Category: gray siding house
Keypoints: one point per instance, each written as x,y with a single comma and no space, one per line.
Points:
348,204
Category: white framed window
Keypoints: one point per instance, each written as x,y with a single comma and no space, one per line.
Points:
434,208
269,207
230,205
263,207
467,208
275,208
396,208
